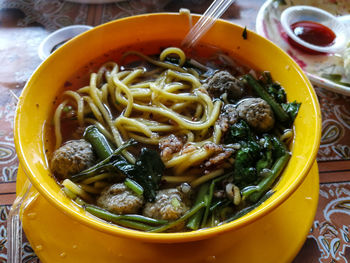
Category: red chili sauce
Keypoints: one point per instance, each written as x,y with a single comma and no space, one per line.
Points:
313,33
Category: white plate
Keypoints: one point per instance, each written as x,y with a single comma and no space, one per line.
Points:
315,66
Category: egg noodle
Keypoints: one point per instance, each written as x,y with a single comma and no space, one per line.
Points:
148,105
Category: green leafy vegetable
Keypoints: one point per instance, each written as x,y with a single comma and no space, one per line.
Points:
281,157
244,170
195,220
147,172
277,92
106,165
238,132
133,221
183,218
266,161
210,198
254,193
249,208
336,78
292,109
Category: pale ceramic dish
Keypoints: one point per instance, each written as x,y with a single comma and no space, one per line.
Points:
35,109
60,36
268,24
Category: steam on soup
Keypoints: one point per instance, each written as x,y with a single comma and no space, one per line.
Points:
166,143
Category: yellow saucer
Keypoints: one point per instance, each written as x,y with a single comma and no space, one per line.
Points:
277,237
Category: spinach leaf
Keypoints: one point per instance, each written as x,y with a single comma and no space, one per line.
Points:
122,165
238,132
245,171
147,171
291,109
266,161
279,149
277,92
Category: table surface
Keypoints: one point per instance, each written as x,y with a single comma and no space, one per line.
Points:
25,23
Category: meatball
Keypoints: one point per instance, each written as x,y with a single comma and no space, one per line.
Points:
72,158
119,199
257,113
170,204
223,82
228,116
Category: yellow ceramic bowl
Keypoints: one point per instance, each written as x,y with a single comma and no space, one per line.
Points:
36,105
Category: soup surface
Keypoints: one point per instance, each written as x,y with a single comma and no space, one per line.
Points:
170,142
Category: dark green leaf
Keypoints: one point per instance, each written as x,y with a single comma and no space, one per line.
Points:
244,171
279,149
239,131
266,161
147,172
277,92
292,109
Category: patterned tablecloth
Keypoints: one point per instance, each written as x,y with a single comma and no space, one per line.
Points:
25,23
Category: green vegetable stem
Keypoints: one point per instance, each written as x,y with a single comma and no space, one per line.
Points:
248,208
253,193
134,186
98,141
147,171
172,224
134,221
104,165
202,197
210,198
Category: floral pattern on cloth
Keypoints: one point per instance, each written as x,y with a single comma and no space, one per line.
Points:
8,157
329,237
52,14
28,255
335,143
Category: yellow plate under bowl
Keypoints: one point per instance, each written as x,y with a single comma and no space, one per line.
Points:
277,237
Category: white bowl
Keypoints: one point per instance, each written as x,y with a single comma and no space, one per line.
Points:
58,37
